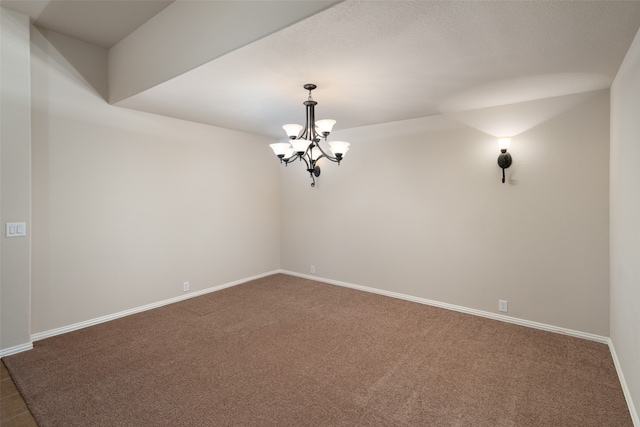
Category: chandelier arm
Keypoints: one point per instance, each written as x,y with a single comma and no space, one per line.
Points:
324,154
306,162
307,151
290,159
311,165
303,135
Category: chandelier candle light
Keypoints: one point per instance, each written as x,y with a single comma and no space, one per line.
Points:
305,141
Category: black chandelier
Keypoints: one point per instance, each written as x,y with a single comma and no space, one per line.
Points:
305,141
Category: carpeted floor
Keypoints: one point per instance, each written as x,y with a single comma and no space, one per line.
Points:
284,351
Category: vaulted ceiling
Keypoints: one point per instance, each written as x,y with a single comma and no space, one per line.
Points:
242,64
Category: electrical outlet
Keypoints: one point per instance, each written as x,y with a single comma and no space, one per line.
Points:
185,286
313,269
502,305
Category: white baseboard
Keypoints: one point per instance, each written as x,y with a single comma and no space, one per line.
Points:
522,322
98,320
625,388
16,349
501,317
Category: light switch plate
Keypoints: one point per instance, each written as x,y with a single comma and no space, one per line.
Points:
15,229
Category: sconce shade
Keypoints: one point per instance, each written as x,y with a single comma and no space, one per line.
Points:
503,143
339,147
292,130
325,126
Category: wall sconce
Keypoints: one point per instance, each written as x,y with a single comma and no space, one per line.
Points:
504,159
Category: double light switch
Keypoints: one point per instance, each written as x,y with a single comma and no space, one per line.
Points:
16,229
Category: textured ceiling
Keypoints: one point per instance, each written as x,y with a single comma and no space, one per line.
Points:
384,61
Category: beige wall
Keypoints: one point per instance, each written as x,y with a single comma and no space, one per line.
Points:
625,218
15,179
128,205
418,208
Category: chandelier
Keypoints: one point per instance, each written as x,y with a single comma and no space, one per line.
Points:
304,142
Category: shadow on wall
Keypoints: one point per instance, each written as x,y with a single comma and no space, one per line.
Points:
89,61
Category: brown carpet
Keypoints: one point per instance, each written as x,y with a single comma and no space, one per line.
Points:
284,351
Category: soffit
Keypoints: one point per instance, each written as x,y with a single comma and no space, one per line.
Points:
385,61
100,22
381,61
